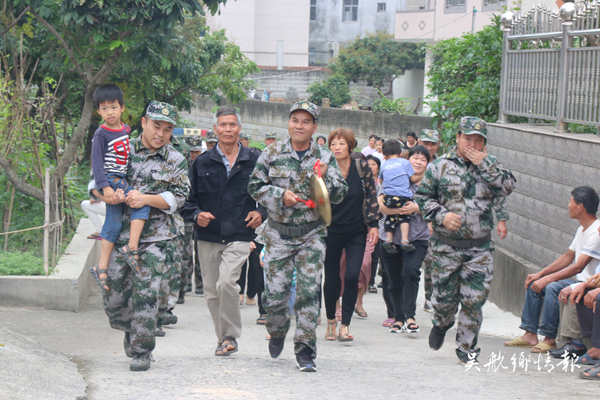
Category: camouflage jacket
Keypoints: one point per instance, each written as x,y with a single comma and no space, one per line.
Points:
278,169
157,173
471,191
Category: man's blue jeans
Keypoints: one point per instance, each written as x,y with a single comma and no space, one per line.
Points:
114,212
548,297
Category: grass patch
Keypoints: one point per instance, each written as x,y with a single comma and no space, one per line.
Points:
17,263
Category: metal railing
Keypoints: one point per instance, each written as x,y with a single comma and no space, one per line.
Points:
551,65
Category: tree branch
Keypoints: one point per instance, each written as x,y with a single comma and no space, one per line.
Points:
106,69
20,185
15,21
62,42
177,93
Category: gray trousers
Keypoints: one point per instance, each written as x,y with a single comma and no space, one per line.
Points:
221,266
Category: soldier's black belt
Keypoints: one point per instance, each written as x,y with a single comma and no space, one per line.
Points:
462,244
293,231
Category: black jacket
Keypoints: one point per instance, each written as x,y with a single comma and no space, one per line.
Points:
224,197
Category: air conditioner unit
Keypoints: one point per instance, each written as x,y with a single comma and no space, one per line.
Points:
331,46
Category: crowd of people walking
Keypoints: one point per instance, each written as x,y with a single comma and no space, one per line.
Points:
251,227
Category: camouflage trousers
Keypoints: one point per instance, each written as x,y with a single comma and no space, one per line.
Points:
427,265
281,258
169,285
187,259
132,301
461,277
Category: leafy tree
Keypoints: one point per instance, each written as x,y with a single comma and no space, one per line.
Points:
377,59
335,89
90,40
465,78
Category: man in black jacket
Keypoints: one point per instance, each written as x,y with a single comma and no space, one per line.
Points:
225,217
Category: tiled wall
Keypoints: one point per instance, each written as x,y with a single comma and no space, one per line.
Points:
547,167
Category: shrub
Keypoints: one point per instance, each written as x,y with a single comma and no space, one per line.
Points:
17,263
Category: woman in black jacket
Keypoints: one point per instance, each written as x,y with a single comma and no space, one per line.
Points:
354,221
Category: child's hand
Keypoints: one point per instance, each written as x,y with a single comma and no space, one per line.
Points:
109,195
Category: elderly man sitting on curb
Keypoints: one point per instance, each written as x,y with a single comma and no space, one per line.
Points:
543,288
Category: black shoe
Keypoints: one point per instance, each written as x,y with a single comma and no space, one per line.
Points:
200,291
169,318
380,285
127,345
160,333
305,362
141,362
568,351
188,288
181,298
276,346
467,358
436,338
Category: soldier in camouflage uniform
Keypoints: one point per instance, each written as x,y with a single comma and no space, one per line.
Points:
245,138
159,175
457,196
195,143
270,137
293,236
211,140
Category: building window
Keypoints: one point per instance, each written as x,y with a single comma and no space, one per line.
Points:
350,12
313,10
380,7
493,5
455,6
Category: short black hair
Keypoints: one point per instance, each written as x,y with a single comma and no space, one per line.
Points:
379,139
588,197
391,147
227,110
373,136
411,133
322,137
108,92
377,160
420,149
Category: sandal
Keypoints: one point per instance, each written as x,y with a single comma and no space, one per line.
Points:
95,236
361,314
389,247
129,257
103,282
586,359
412,327
346,336
372,289
222,348
262,320
388,322
398,327
330,335
592,374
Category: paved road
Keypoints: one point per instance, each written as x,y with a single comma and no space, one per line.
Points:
376,365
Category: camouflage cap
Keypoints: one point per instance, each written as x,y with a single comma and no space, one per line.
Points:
429,135
244,135
162,112
195,142
307,106
271,135
473,126
211,137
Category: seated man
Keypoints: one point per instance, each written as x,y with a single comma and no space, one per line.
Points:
543,288
589,320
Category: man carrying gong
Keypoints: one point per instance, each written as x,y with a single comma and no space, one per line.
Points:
282,182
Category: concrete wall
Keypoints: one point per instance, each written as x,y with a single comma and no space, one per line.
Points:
329,25
547,167
292,84
260,117
258,25
68,288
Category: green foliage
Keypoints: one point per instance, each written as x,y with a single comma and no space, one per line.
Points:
464,79
398,106
335,89
377,59
17,263
256,144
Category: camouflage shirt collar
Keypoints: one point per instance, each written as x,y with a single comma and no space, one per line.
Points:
140,148
313,149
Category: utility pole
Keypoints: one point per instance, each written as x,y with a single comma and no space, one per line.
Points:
473,26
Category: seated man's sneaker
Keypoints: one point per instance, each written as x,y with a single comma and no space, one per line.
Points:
276,346
141,362
467,358
568,351
305,362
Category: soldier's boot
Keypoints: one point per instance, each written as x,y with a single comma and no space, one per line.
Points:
276,346
141,361
169,318
159,331
181,298
127,345
467,358
188,288
436,338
